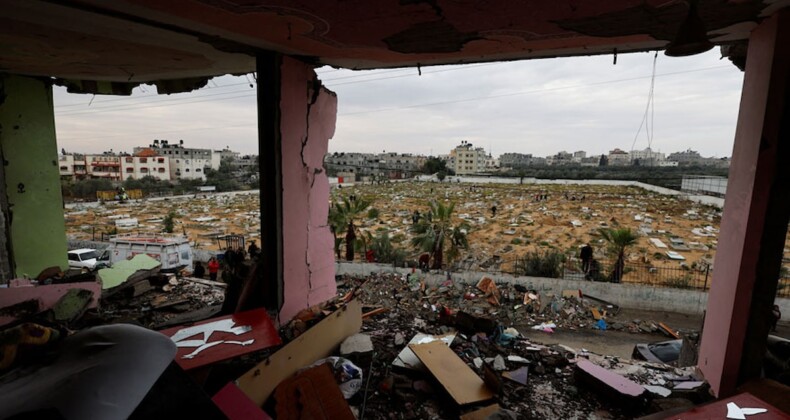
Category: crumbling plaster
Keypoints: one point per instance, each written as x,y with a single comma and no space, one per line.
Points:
308,116
32,181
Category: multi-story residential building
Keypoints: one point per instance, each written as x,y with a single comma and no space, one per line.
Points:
145,164
185,162
107,166
72,166
619,157
579,156
468,159
686,158
515,160
646,157
561,158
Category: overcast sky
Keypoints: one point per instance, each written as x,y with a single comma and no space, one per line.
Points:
537,106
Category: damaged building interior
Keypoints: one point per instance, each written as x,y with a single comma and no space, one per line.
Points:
109,48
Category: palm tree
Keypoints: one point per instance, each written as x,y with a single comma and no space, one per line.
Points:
619,240
436,228
342,216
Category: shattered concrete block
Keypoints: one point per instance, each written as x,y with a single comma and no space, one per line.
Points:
609,384
357,343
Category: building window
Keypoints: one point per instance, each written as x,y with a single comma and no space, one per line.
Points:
64,168
198,170
161,160
129,170
178,161
129,160
161,170
143,160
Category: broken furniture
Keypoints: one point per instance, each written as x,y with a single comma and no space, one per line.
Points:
217,339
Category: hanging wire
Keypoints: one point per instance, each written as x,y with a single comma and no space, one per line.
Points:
648,119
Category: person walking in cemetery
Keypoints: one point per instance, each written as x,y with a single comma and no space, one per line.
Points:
199,270
493,210
253,249
415,218
586,256
213,268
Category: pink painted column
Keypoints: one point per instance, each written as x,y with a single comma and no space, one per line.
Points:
308,113
756,213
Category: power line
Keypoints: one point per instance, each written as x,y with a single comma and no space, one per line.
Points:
418,105
503,95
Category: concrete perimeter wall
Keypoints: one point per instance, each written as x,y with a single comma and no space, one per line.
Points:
631,296
701,199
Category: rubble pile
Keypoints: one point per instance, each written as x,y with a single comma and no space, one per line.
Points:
160,300
528,379
511,304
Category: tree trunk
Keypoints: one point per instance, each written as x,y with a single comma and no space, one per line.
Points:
437,257
619,267
351,237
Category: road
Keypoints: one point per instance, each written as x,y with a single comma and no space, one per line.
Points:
621,343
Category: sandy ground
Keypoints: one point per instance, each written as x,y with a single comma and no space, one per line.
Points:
620,343
528,218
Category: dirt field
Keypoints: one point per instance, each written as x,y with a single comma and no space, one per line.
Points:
528,218
557,217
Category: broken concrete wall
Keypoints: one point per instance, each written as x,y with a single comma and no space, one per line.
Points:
308,116
631,296
32,180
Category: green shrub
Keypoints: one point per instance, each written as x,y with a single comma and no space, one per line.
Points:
541,264
684,282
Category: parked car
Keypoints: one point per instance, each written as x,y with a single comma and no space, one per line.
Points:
659,352
777,355
87,259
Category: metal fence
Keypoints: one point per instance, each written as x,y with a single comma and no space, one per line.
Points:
697,278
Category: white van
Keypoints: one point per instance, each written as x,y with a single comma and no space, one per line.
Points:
86,259
173,252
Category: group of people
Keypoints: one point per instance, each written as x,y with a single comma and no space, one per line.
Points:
232,257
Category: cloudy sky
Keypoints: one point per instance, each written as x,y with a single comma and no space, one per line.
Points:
537,106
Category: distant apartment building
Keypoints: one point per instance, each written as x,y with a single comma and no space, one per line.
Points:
579,156
619,157
561,158
646,157
72,166
106,166
516,160
693,158
185,162
137,167
113,167
467,159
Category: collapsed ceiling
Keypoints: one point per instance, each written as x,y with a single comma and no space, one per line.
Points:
134,41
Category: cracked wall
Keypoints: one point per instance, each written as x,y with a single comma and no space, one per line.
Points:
308,115
37,231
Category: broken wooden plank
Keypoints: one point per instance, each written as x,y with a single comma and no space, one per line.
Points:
481,414
317,342
374,312
311,394
595,313
613,386
206,282
460,381
669,331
